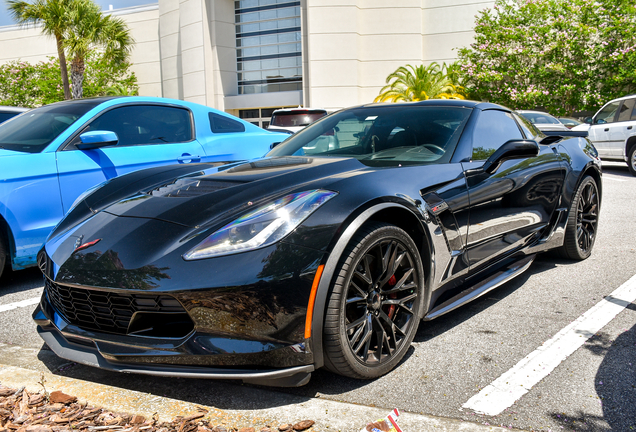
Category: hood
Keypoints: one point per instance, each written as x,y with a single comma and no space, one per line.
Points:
217,193
5,152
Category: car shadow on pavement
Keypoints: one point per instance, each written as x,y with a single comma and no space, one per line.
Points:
441,325
617,169
615,384
23,280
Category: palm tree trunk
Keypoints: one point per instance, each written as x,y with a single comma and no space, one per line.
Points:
77,76
63,69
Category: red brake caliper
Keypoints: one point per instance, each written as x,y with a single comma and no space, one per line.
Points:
392,307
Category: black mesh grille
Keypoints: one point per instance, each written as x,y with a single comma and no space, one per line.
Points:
105,311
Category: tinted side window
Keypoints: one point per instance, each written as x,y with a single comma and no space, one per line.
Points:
145,124
492,130
626,110
222,124
529,130
607,114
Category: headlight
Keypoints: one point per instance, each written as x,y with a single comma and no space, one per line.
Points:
261,227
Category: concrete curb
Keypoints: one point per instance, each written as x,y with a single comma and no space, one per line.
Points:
328,415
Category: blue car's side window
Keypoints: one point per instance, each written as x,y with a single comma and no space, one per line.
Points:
222,124
145,124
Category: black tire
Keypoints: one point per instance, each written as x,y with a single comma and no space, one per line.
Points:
377,296
4,253
580,233
631,160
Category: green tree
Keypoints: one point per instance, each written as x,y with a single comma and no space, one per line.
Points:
91,31
32,85
53,16
563,56
410,83
79,28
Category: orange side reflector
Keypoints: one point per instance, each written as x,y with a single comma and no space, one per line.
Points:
312,300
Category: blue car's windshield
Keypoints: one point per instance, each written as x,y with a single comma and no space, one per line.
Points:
384,135
35,130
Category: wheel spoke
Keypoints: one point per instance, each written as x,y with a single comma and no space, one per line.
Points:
361,324
357,323
366,338
360,291
400,286
381,340
356,300
391,326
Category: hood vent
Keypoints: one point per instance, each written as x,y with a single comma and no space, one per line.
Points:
191,187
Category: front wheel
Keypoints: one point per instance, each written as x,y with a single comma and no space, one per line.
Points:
631,160
374,307
580,233
4,252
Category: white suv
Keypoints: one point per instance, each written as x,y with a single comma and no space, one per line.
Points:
613,131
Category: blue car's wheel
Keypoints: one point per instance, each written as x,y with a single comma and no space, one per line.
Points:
4,252
374,307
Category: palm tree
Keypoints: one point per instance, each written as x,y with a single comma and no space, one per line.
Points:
91,30
53,15
409,83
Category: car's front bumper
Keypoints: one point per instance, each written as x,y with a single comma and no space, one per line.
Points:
87,349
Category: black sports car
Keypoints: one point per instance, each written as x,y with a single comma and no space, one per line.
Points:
327,253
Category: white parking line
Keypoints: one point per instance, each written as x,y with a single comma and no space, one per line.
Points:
512,385
606,177
23,303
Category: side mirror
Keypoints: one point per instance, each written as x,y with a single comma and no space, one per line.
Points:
96,139
588,120
513,149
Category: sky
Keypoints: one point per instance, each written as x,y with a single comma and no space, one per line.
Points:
5,18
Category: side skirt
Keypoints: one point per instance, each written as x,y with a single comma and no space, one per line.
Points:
482,287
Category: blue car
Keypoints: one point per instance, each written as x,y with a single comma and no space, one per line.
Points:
50,156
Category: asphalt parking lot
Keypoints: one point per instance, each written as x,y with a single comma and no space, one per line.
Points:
467,362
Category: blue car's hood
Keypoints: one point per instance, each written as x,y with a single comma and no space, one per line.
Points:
5,152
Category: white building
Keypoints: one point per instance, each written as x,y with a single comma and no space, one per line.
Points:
248,57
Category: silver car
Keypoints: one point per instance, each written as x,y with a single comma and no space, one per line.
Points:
543,121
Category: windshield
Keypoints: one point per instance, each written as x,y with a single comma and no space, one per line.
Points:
540,118
35,130
296,118
384,135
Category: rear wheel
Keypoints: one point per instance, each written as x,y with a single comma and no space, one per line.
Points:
374,307
580,233
631,160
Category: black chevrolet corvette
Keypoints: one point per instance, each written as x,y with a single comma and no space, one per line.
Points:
326,253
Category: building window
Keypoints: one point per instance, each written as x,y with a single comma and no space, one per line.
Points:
268,46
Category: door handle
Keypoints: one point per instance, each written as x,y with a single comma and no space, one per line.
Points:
187,158
606,129
629,128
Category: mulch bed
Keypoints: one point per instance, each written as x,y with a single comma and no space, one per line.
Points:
21,411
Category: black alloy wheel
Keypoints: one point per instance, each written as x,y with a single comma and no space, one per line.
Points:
374,307
580,233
